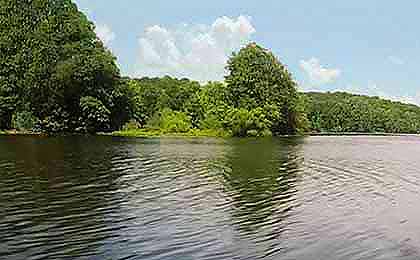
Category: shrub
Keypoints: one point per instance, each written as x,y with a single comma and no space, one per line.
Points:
95,116
171,121
211,121
24,120
255,122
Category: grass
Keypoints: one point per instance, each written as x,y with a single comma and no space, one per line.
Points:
13,132
145,132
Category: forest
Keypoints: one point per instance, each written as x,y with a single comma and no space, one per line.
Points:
343,112
56,76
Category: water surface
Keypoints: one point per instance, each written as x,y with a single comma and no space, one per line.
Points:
280,198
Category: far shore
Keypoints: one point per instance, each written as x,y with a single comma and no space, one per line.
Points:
155,133
360,134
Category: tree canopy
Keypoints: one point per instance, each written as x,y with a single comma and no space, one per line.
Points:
258,98
343,112
57,76
50,60
257,80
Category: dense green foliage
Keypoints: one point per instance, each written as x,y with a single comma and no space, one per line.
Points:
260,84
343,112
57,76
259,98
153,95
50,61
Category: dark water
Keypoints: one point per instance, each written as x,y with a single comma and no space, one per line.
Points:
110,198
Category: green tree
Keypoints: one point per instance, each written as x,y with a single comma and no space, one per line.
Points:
257,79
153,95
95,116
50,57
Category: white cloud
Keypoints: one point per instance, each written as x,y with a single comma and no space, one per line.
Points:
105,33
199,52
317,74
396,60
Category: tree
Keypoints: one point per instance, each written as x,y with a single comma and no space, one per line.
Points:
51,58
95,115
256,79
152,95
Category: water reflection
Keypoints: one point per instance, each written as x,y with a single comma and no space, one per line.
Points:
261,178
157,198
149,199
55,197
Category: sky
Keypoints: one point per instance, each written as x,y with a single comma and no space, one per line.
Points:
361,46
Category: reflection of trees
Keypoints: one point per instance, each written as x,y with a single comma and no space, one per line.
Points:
54,195
261,180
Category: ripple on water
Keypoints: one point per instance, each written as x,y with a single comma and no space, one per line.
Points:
116,198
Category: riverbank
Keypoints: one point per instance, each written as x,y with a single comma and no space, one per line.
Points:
141,133
221,133
159,133
359,134
17,132
156,133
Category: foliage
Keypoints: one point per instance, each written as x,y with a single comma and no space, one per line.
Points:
174,121
214,103
343,112
131,125
24,121
255,122
95,116
155,94
257,79
147,132
258,99
50,58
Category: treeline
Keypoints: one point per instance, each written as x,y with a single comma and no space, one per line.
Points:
56,76
177,106
258,98
343,112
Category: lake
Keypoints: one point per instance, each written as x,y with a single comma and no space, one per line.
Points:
279,198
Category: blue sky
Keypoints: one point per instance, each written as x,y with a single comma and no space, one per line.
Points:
362,46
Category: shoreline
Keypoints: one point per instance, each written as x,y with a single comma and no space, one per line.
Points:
150,133
359,134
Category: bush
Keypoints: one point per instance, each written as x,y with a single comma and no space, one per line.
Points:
58,121
211,121
95,116
24,120
171,121
255,122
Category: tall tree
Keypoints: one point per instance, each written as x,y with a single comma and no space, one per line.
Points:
50,58
257,79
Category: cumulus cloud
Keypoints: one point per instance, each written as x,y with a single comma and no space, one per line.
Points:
105,33
317,74
199,52
396,60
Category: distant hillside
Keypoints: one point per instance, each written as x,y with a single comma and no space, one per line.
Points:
344,112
